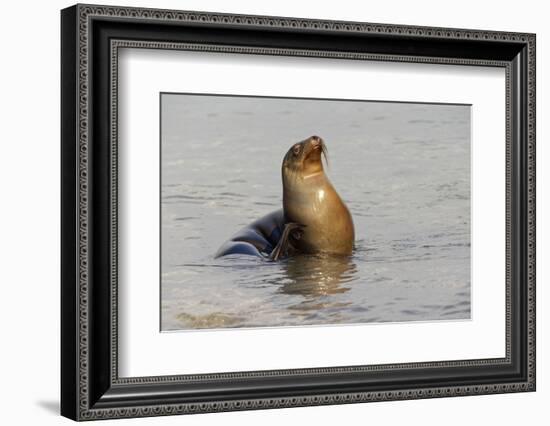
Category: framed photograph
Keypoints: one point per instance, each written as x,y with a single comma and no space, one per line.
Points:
263,212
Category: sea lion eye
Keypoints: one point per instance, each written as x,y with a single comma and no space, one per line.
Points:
296,149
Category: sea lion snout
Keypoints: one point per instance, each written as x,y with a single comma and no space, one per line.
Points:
315,140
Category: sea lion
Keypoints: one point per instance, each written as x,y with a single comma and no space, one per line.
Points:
310,200
314,219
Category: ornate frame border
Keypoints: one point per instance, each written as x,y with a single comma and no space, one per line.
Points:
82,407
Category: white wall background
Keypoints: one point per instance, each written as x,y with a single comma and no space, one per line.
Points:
29,212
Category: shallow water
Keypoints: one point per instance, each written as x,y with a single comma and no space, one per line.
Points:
402,169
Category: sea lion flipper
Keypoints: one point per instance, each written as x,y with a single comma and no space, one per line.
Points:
282,248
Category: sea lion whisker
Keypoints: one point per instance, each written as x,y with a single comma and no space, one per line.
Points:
324,152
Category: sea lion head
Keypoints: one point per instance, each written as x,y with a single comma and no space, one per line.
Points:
304,158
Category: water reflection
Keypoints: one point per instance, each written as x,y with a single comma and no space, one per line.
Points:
318,275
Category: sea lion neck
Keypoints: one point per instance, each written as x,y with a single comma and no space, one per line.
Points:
299,182
314,174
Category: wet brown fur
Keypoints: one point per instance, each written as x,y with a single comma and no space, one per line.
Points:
309,199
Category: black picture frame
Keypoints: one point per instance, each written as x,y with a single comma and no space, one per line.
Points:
90,386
